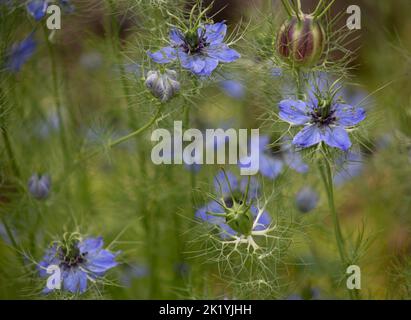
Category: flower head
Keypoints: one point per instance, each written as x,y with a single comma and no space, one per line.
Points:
19,54
163,85
79,260
234,209
324,120
199,50
39,186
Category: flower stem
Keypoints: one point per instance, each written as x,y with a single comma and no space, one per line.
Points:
327,177
10,152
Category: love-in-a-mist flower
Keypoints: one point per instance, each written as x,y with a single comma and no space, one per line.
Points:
39,186
272,160
79,261
20,53
306,200
199,50
324,120
233,209
37,8
163,85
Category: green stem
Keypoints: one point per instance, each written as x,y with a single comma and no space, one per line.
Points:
326,176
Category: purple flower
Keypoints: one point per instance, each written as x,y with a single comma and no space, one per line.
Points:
78,262
272,161
306,200
323,121
199,51
230,191
39,186
37,8
19,54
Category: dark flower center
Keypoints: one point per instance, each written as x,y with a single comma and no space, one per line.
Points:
229,201
193,43
323,117
72,258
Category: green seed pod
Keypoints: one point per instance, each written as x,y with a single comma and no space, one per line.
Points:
301,41
240,219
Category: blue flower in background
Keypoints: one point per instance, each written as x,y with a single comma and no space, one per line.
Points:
306,200
233,88
39,186
350,165
19,54
323,122
37,9
200,51
272,161
84,260
223,187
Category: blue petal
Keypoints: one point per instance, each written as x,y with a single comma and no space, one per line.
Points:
214,33
101,262
270,167
223,53
75,280
348,116
209,67
164,55
37,9
223,183
176,37
213,207
337,137
307,137
294,112
91,245
264,220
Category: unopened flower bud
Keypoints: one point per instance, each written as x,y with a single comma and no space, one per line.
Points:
39,186
163,85
301,41
306,200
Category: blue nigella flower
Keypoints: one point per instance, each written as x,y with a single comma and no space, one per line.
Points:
349,165
79,262
200,51
323,121
39,186
19,54
37,8
272,160
223,186
306,200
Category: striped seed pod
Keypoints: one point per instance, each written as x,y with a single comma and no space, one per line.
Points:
301,40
